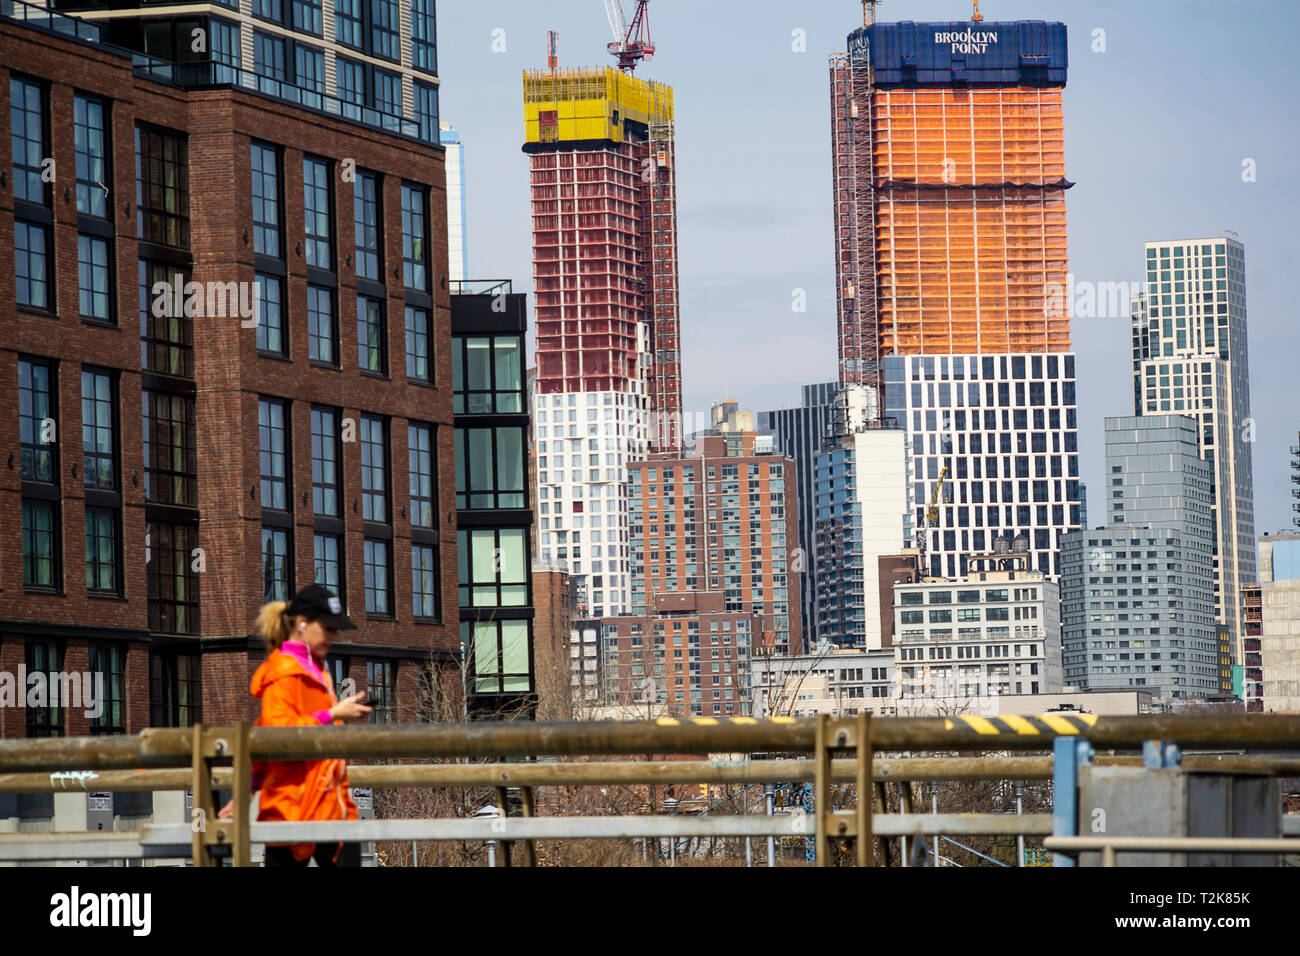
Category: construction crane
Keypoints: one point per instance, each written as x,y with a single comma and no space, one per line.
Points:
869,11
931,519
631,43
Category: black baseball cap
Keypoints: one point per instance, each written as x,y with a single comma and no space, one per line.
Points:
317,603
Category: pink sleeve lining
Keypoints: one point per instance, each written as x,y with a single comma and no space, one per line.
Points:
323,716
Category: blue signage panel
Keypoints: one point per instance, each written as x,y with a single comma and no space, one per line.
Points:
962,53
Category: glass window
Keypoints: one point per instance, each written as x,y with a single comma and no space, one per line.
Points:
347,23
31,265
374,468
489,468
166,335
93,278
321,333
110,661
372,338
384,40
351,78
309,72
381,687
388,93
172,577
421,446
175,689
415,236
418,366
424,580
492,567
266,200
500,655
487,374
27,126
269,63
98,429
40,545
45,657
91,141
275,564
365,206
319,213
426,110
378,577
270,315
227,57
170,462
424,33
307,16
162,192
37,428
325,473
273,453
102,550
269,10
329,564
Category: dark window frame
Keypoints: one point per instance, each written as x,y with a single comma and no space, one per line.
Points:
270,482
110,660
166,681
168,605
88,189
265,229
372,335
162,208
376,497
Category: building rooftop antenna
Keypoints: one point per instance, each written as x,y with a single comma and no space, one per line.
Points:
869,11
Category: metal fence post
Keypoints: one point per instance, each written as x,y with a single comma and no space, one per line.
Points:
1070,754
1020,809
769,794
822,790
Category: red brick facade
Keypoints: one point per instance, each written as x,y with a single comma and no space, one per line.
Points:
229,377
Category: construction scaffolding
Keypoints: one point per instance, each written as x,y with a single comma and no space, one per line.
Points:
950,231
604,198
855,218
970,216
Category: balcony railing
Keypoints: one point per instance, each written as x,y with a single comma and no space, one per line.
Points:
211,73
208,73
50,21
482,287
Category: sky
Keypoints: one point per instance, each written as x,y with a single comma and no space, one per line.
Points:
1180,122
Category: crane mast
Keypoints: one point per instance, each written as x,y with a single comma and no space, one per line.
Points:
931,519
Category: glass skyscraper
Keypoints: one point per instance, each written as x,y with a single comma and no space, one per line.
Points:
1190,358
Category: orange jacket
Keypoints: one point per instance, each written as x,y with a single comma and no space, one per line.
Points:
293,790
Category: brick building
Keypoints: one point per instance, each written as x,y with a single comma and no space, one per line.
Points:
228,455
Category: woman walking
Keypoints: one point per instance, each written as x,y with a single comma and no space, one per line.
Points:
296,690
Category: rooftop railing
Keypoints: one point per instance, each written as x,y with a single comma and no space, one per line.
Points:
201,74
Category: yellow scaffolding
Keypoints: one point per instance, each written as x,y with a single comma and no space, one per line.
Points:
575,105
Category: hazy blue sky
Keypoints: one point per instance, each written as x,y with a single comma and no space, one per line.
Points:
1157,128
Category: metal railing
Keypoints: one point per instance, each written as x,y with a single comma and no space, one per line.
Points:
213,73
207,760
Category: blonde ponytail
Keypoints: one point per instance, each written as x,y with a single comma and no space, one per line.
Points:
272,626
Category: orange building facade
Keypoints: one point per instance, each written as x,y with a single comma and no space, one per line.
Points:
949,167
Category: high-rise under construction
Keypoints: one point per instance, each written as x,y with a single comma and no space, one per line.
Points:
608,382
949,163
951,261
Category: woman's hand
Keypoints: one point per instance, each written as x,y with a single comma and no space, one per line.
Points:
227,812
351,708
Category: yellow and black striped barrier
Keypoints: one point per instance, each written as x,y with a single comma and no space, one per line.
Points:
1054,725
